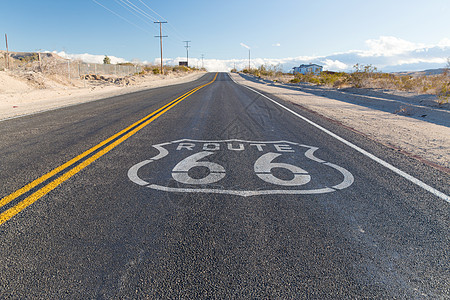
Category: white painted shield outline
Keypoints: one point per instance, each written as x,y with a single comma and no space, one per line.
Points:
133,172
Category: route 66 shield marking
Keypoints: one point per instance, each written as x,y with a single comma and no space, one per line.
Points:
220,166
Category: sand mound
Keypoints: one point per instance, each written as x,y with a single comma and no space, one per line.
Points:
10,84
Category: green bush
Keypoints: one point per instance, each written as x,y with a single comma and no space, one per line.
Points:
443,93
29,58
125,64
180,69
107,60
362,75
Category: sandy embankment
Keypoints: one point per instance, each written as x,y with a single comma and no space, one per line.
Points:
22,95
376,117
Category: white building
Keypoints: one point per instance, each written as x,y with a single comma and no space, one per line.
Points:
308,69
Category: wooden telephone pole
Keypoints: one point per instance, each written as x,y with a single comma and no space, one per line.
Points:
160,42
7,51
249,60
187,51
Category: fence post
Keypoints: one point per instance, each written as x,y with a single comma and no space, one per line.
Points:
7,52
95,69
86,70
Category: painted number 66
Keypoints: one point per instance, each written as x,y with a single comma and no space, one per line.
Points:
262,167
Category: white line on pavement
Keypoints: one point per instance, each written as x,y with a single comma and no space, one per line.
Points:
362,151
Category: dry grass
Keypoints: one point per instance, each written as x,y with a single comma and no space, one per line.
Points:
367,77
49,70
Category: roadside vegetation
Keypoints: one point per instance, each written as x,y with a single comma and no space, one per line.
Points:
48,70
153,69
364,77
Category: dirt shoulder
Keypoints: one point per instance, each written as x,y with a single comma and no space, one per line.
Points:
399,121
27,93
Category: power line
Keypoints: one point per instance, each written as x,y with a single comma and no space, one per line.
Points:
121,3
175,31
132,7
123,18
144,14
153,11
139,10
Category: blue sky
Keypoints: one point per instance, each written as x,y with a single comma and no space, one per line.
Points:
408,34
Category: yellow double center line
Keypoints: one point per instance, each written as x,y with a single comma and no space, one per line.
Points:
124,135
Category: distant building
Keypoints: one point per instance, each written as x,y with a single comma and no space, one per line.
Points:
308,69
183,63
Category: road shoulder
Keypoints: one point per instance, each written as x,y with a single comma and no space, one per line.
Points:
423,140
30,101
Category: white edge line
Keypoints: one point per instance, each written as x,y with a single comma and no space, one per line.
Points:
362,151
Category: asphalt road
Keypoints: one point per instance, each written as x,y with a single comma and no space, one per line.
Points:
224,195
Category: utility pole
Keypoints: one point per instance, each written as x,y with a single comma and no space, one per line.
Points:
202,60
7,51
39,58
160,42
249,60
187,51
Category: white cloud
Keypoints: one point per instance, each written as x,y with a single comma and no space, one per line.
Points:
276,45
389,46
445,42
335,65
90,58
386,53
435,60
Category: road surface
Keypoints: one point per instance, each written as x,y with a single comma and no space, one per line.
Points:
211,190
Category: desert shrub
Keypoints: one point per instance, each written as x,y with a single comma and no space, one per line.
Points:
180,69
330,78
362,75
125,64
156,71
443,93
314,80
107,60
265,71
29,58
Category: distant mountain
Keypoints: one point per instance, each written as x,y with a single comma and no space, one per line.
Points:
422,73
29,55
